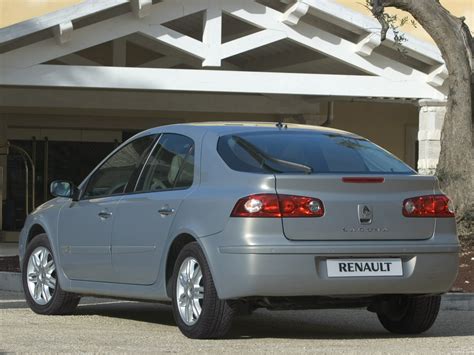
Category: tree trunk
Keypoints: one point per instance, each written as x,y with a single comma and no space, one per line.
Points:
456,163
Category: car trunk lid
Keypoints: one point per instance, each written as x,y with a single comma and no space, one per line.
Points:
357,208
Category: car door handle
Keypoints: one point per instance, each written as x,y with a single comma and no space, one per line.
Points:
166,211
105,214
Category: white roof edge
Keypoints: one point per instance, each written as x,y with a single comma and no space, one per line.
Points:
71,13
336,13
366,23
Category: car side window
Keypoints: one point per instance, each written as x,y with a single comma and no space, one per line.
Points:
115,174
170,166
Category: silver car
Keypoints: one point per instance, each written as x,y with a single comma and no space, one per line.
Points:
220,219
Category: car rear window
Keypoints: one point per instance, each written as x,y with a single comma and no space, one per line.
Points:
306,152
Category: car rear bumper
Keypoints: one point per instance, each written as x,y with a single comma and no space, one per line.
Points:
299,269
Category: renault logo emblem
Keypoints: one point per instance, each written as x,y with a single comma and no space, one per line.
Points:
365,214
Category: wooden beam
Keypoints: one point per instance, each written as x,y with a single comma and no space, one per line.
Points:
141,8
438,76
212,34
357,22
217,81
293,15
174,56
169,51
303,67
112,100
322,41
247,43
63,32
52,19
101,32
368,44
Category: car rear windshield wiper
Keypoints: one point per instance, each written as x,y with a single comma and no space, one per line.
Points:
266,160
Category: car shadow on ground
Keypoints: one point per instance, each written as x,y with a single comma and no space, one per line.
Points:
313,324
137,311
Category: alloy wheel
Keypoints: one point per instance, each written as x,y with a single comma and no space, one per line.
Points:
190,291
41,275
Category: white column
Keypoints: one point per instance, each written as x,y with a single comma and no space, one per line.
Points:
212,34
431,118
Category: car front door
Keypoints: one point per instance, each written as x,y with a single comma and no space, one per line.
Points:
85,226
144,218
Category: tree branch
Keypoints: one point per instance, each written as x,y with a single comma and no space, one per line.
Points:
378,10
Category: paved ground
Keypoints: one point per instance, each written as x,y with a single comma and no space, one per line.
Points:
115,326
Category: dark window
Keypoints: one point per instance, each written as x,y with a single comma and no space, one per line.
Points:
170,166
115,174
306,152
54,160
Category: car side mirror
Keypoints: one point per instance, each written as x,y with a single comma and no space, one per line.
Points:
67,189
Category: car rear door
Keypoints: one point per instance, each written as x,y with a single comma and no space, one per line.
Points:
85,226
144,218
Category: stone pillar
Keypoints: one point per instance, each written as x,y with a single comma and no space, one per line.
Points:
431,118
3,166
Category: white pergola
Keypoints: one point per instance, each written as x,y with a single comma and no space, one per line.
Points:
258,56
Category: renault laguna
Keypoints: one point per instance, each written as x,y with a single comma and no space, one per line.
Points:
225,218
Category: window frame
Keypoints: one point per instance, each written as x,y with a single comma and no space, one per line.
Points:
156,137
409,171
193,146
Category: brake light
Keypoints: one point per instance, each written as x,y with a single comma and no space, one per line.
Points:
363,180
276,206
428,206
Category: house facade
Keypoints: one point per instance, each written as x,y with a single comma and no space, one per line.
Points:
77,82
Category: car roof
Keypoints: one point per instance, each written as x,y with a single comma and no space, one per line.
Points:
225,128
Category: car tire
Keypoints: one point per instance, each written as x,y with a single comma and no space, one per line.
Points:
411,314
215,317
39,265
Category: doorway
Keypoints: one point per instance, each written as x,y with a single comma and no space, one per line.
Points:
55,156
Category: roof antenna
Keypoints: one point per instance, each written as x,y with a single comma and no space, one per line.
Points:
280,125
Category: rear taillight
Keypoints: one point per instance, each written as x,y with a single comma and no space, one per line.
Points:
428,206
272,205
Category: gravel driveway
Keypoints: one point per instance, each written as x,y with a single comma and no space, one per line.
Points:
117,326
